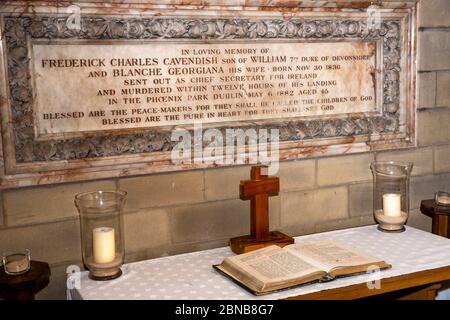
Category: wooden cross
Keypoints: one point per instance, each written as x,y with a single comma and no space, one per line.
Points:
258,189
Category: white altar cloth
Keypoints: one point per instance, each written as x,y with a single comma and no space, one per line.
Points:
191,276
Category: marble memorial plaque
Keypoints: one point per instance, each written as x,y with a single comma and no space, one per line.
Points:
97,92
94,87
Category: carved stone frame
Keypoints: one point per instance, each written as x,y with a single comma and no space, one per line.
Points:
30,161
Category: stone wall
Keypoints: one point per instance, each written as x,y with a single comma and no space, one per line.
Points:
187,211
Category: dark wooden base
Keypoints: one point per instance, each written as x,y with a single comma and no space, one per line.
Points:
440,216
26,285
402,229
245,244
99,276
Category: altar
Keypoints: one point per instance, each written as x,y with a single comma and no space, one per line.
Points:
420,263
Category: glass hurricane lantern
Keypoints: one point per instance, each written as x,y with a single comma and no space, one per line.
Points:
101,226
391,194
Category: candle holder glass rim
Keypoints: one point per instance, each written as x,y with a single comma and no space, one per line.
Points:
25,253
99,198
438,197
82,196
386,168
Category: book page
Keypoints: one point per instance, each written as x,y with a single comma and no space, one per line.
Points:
328,255
272,264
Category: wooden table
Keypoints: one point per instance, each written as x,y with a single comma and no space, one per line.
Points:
420,264
415,286
24,286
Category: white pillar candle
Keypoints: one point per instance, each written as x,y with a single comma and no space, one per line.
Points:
392,205
104,247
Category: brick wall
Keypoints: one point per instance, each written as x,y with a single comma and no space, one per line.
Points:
180,212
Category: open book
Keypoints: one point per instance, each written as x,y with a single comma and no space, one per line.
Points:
274,268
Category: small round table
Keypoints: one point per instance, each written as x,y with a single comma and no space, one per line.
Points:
440,216
24,286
